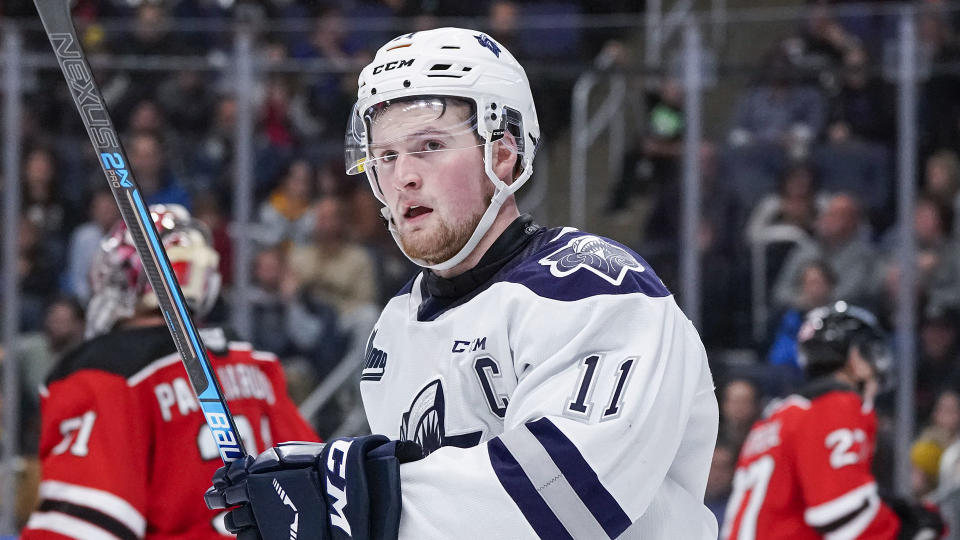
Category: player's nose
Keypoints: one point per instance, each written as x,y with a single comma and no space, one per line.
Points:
408,173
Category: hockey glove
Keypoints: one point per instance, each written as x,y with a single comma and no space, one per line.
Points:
348,488
917,521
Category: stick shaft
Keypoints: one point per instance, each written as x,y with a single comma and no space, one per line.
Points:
86,95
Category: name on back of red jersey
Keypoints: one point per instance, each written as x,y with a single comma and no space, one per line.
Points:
239,381
762,438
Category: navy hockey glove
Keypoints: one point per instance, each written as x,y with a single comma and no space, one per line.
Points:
347,488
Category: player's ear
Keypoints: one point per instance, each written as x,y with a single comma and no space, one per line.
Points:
505,157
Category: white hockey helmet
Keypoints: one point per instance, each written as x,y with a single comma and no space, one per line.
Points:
120,286
448,63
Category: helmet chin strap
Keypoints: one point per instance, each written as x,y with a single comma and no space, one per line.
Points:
501,192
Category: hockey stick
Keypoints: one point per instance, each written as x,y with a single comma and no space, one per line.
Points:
57,22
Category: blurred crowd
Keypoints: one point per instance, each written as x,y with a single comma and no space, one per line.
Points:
800,187
800,210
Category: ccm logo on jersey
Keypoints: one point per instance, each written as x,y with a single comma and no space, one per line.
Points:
479,344
396,64
337,484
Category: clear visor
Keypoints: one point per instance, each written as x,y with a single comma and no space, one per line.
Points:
426,128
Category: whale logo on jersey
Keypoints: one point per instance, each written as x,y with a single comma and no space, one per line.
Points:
424,422
598,255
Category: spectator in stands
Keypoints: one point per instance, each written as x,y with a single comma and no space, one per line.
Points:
938,363
158,184
942,429
332,180
848,164
289,322
792,211
937,260
150,36
146,115
330,42
925,457
775,121
940,112
720,479
85,240
39,269
655,161
863,102
941,183
338,271
207,208
37,353
943,425
41,201
815,288
739,409
213,157
275,118
780,109
856,155
287,215
332,266
187,100
839,241
822,41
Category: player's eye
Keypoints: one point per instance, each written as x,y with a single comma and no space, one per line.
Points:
388,156
432,146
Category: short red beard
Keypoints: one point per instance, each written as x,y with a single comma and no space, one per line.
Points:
442,244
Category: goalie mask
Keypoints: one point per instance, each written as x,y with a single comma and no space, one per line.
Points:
120,285
828,332
427,73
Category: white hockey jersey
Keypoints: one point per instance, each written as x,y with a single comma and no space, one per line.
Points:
560,393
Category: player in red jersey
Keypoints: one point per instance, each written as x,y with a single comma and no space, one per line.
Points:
124,447
804,469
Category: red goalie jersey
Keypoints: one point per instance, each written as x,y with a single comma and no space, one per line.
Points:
124,447
804,472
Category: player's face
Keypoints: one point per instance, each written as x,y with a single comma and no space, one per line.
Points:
430,169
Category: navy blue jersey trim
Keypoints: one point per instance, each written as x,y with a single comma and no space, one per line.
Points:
559,271
524,494
581,477
408,286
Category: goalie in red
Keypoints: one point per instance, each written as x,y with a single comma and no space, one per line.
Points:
804,469
124,447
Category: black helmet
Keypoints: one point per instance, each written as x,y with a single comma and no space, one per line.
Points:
828,332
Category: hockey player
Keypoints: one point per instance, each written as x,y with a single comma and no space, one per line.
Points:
804,469
530,381
124,447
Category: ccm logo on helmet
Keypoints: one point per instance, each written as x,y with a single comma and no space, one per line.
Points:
393,65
